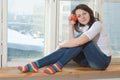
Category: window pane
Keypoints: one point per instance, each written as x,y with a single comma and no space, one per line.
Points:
111,20
25,29
66,6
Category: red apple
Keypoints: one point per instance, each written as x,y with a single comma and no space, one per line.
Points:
73,17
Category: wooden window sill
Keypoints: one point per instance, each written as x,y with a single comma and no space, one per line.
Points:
67,70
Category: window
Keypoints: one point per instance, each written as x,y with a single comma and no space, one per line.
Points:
31,29
66,6
0,31
26,30
111,16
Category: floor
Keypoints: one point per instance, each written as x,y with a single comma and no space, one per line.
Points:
70,72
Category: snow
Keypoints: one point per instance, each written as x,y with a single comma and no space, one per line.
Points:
20,41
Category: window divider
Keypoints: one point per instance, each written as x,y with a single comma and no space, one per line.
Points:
50,26
4,33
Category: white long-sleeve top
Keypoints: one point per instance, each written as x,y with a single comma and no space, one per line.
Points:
98,34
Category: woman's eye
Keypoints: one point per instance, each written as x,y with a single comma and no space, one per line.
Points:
78,16
84,13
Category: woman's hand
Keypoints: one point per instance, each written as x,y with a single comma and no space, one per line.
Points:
72,20
71,23
60,45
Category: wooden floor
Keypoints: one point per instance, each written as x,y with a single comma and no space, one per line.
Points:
67,70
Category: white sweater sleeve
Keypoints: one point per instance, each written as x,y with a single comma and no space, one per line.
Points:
94,30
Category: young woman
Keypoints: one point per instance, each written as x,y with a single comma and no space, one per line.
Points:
90,48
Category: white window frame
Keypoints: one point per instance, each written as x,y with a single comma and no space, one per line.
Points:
0,32
4,33
50,29
51,26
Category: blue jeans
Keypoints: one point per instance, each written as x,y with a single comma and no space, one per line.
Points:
86,55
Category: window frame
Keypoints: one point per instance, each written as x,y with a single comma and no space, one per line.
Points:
51,28
4,33
0,32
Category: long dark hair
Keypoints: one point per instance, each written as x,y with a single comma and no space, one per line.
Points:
87,9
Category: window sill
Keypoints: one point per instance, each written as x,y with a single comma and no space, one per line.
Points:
70,70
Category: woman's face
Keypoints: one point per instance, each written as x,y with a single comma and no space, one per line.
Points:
83,16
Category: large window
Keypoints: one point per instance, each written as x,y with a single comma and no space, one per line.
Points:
31,29
28,30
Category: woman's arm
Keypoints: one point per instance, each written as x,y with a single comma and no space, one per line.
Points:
84,38
71,33
71,28
75,42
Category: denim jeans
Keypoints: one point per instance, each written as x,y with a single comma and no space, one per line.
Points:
91,56
86,55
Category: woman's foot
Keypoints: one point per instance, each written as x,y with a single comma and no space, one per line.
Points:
32,67
57,67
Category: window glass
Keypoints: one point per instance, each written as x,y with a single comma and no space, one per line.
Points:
25,29
111,16
66,6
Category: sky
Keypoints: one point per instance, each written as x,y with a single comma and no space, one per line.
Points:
22,6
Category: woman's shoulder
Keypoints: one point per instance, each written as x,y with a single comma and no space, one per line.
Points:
97,22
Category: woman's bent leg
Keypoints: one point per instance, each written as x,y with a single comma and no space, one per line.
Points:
50,59
68,55
95,57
